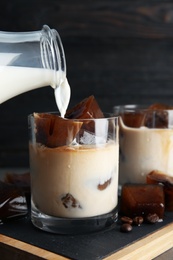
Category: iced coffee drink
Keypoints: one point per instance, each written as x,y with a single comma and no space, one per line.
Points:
146,141
74,169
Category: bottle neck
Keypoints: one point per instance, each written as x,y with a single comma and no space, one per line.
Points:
36,48
52,53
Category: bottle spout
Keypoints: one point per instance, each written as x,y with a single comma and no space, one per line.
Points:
52,54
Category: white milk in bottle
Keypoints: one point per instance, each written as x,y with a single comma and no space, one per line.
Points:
31,60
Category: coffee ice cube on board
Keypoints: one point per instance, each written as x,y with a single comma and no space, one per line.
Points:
141,200
13,202
158,177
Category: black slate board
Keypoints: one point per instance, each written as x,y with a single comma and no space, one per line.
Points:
80,247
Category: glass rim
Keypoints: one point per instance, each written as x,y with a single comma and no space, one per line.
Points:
138,107
152,118
108,116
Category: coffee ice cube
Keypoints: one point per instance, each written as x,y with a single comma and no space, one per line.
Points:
88,138
53,130
158,177
12,202
157,116
19,180
160,106
69,201
87,108
133,119
142,199
156,119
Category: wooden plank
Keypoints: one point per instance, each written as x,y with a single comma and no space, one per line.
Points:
148,247
104,19
15,248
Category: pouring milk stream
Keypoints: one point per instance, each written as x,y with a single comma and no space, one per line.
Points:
31,60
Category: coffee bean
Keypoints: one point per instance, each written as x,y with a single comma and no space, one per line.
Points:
126,227
127,220
152,218
138,220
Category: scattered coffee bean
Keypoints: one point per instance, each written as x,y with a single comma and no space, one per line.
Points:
126,228
138,220
152,218
127,220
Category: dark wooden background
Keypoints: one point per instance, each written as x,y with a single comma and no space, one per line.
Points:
120,51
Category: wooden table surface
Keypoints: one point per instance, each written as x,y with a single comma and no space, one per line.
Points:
165,256
157,245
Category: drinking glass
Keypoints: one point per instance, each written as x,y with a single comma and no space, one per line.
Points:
146,141
74,173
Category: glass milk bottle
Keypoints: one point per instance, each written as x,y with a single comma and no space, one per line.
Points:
30,60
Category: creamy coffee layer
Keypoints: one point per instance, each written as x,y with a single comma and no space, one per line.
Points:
143,150
74,181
